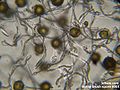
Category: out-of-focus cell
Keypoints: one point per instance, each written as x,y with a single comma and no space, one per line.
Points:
117,50
105,33
21,3
57,2
109,63
3,7
39,49
95,57
62,21
43,65
75,32
56,43
9,14
43,30
45,85
39,10
18,85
